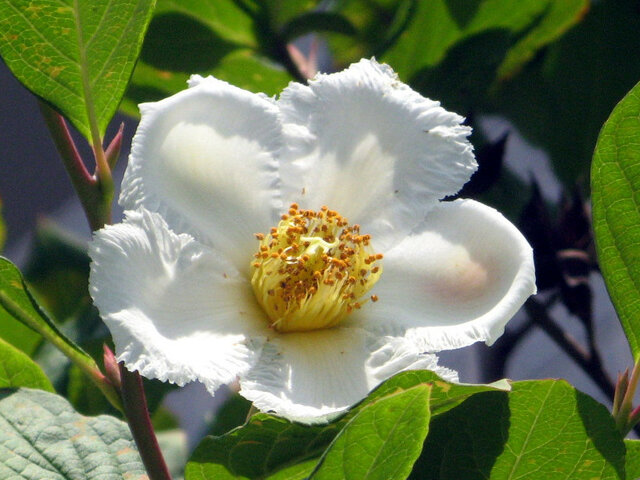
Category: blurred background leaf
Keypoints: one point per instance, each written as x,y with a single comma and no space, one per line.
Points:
18,370
561,99
57,271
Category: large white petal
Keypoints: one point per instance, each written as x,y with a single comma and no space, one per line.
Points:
366,145
205,159
455,282
311,375
177,310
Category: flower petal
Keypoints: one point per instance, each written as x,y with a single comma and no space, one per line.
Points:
205,159
311,375
366,145
176,310
455,282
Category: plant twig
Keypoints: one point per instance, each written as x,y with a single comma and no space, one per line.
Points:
85,184
135,407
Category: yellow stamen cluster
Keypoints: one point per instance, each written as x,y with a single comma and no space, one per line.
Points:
313,269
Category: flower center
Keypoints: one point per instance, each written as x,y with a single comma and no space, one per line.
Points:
312,270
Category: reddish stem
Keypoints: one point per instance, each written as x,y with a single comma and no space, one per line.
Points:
135,408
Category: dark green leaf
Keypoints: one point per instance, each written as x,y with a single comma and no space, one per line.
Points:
615,195
555,21
382,441
540,430
77,55
224,17
438,25
281,12
317,22
42,437
165,66
299,471
378,26
560,101
267,443
233,413
18,370
240,68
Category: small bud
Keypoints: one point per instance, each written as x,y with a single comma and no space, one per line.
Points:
113,150
111,367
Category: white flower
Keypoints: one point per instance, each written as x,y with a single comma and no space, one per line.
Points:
190,292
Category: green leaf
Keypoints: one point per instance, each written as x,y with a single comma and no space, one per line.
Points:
77,55
382,441
266,443
632,464
615,196
42,437
18,370
540,430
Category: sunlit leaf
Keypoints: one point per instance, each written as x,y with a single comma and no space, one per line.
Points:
382,441
77,55
615,196
540,430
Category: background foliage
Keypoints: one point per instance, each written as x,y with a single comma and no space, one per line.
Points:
554,69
